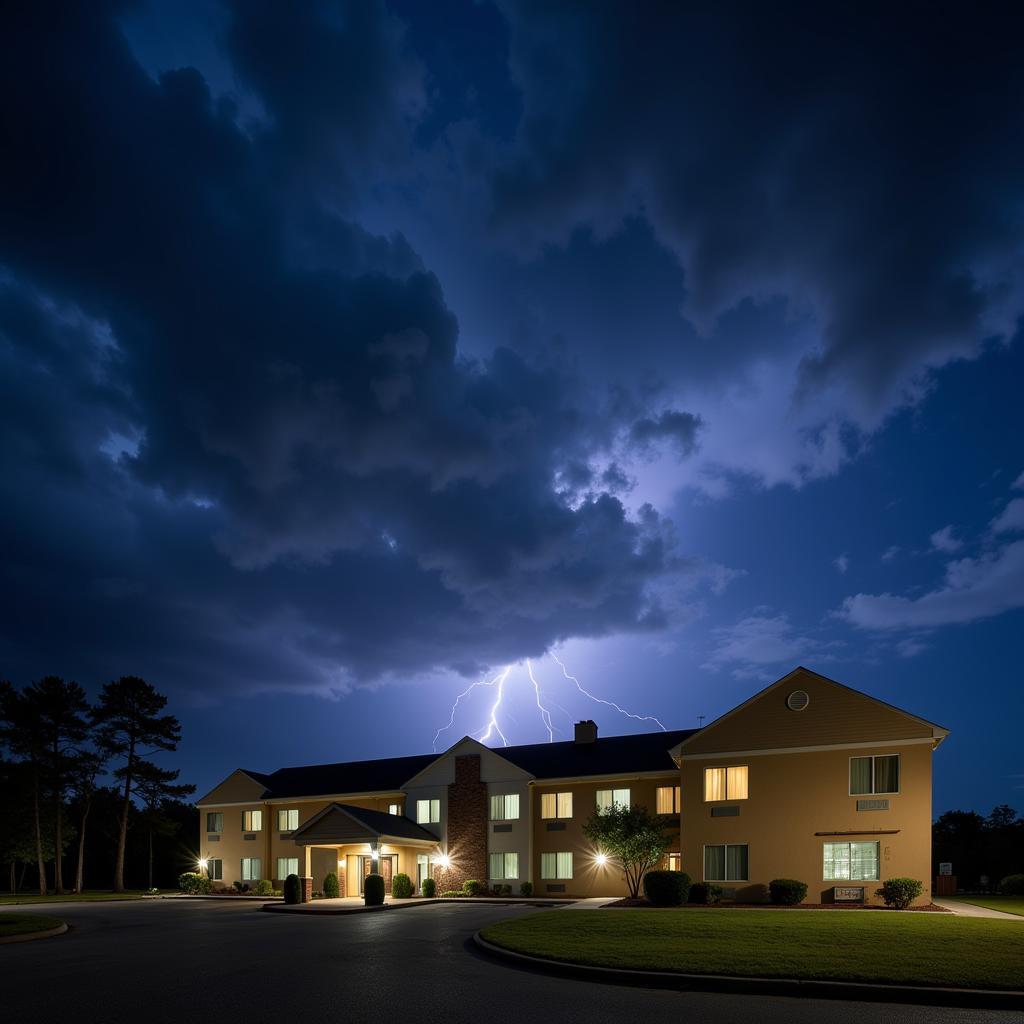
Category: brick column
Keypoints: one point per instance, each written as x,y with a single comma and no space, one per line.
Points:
307,890
467,826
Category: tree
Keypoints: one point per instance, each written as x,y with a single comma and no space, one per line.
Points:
631,838
156,787
84,772
129,719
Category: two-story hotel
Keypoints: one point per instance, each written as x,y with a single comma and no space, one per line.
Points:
808,779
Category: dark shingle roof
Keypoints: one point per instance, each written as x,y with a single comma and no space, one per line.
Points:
385,824
612,755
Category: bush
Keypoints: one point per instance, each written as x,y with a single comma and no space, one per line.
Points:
452,893
429,888
240,887
526,889
705,893
506,890
899,893
331,888
471,887
373,890
194,884
1012,885
401,887
292,889
264,887
667,888
787,892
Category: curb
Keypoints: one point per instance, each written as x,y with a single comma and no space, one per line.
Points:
288,908
29,936
985,999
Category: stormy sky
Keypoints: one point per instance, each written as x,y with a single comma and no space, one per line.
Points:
351,352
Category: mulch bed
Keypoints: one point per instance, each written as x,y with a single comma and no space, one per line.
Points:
644,905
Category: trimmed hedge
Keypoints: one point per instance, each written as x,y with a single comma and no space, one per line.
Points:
705,893
471,887
332,890
373,890
429,888
787,892
1012,885
666,888
899,893
292,889
526,889
194,884
401,886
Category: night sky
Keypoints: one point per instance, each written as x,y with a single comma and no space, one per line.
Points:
351,352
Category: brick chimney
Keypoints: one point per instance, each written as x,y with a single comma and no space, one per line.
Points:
585,732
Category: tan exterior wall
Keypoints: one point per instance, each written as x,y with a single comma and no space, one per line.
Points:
792,797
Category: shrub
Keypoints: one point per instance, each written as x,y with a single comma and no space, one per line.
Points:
899,893
787,892
452,893
471,887
667,888
194,884
506,890
292,889
401,887
264,887
526,889
1012,885
240,886
331,887
373,890
429,888
705,893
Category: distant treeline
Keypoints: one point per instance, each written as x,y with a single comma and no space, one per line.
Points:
979,847
63,828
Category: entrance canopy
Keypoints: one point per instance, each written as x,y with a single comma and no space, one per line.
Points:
339,824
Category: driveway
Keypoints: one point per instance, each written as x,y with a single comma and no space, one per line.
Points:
177,961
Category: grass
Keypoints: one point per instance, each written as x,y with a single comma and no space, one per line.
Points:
89,896
1007,904
23,924
882,946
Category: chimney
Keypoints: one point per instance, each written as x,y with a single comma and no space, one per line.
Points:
585,732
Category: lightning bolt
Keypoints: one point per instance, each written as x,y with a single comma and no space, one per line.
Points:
599,700
500,678
492,724
544,713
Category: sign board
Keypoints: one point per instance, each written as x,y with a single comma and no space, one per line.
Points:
945,868
848,893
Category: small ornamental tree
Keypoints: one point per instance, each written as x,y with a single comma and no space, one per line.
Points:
429,888
631,838
401,886
373,890
292,889
331,887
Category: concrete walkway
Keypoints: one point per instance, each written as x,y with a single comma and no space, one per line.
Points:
969,910
593,903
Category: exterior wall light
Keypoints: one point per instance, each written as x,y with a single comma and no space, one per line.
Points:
202,863
601,859
444,862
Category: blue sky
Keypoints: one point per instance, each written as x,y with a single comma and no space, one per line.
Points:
350,357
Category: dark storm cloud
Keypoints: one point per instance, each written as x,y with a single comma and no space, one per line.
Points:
240,446
678,428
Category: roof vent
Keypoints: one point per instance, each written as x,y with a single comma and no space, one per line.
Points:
798,700
585,732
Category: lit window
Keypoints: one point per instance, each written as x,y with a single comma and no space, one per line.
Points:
215,869
252,869
504,866
725,863
252,821
668,800
850,862
876,774
556,805
505,807
609,798
675,862
214,821
725,783
395,809
428,812
288,821
556,866
287,866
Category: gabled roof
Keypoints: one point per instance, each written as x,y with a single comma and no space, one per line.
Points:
383,776
376,823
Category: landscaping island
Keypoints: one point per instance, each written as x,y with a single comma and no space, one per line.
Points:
884,947
25,924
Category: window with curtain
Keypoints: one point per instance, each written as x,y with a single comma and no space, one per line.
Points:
879,773
252,821
726,783
667,799
288,820
504,866
556,805
726,863
395,809
505,807
428,812
609,798
214,821
251,868
555,866
287,866
850,862
215,869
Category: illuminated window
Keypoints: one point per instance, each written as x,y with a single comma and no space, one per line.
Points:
505,807
725,783
556,805
215,869
287,866
288,821
850,862
877,774
252,868
252,821
668,799
675,862
214,821
504,865
725,863
428,812
609,798
395,809
556,866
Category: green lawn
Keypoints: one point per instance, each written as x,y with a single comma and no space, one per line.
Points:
22,924
89,896
1007,904
878,946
